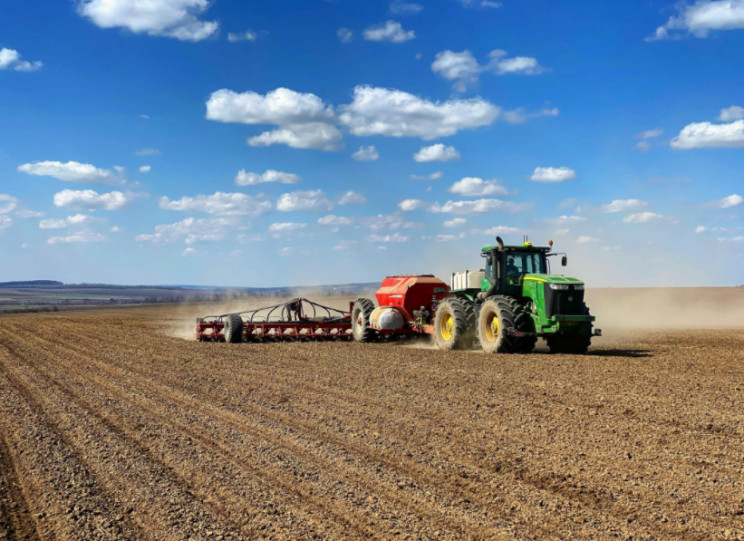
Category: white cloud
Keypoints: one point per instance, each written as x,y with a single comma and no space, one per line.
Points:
394,113
622,205
434,176
312,135
477,187
8,203
81,237
391,31
500,230
91,200
147,152
145,169
76,219
740,238
405,8
701,17
344,245
26,213
565,220
334,220
437,153
311,200
219,203
649,134
5,221
395,237
191,230
478,206
731,113
390,222
366,154
642,146
464,69
248,35
284,227
480,3
11,59
586,239
352,198
732,200
170,18
190,251
455,222
410,204
518,116
345,35
642,218
553,174
71,172
707,134
270,175
115,229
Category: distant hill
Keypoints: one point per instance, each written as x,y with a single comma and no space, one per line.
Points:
31,283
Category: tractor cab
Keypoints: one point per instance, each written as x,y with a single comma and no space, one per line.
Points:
507,266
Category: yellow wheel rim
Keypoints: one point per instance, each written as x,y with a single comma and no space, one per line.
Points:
447,327
492,327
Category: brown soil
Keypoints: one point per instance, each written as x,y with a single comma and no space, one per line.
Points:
110,429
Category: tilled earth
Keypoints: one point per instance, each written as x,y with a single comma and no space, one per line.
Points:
109,429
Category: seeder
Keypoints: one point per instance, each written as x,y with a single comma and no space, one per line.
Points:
298,319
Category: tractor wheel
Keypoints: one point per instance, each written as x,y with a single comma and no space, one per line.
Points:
496,316
576,343
233,330
522,322
454,324
360,320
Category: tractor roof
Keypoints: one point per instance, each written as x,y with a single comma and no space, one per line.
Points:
526,247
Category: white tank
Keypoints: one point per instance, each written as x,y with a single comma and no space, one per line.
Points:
386,318
469,279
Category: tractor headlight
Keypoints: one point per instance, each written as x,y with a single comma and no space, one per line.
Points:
579,287
560,287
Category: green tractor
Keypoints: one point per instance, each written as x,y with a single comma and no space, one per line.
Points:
513,302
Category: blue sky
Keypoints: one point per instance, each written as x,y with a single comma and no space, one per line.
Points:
313,142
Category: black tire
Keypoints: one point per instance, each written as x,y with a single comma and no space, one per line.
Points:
496,316
576,343
454,324
360,313
522,322
233,330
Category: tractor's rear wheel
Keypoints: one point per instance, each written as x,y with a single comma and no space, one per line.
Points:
360,313
576,343
233,330
454,324
495,318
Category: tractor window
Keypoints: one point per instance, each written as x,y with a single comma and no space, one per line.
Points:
518,263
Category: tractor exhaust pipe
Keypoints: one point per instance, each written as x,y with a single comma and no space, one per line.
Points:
500,243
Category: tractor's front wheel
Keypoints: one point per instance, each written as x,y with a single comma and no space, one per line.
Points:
454,324
496,317
576,343
360,313
233,330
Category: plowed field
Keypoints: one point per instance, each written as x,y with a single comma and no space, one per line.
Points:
110,429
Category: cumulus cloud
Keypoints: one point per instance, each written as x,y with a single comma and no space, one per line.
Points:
81,237
145,169
622,205
390,31
732,200
5,221
310,200
76,219
731,113
270,175
519,115
434,176
71,172
8,203
312,135
405,8
248,35
394,113
552,174
352,198
11,59
702,17
191,230
334,220
463,68
366,154
642,218
455,222
390,222
394,237
707,134
219,203
170,18
586,239
500,230
285,227
410,204
477,187
344,245
565,220
479,206
644,145
437,153
92,200
345,35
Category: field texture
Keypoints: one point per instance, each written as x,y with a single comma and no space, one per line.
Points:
111,429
